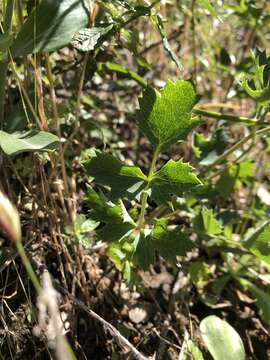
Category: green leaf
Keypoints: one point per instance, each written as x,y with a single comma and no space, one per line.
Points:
102,209
219,284
173,178
5,42
158,21
27,141
194,351
169,243
80,230
259,242
206,222
116,254
118,223
165,117
119,253
90,39
222,341
115,232
258,85
246,169
206,4
124,72
51,26
227,181
199,273
144,254
263,299
123,180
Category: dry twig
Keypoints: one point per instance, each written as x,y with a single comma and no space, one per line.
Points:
122,341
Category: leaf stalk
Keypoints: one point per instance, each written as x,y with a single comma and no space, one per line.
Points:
145,193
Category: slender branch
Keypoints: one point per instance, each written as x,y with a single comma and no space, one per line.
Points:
56,120
197,110
220,116
123,342
80,89
194,45
24,94
28,267
145,193
237,146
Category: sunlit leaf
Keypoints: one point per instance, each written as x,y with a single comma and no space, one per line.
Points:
51,26
165,117
206,4
173,178
123,180
27,141
206,222
89,39
222,341
258,242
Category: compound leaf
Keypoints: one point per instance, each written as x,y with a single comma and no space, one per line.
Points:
123,180
27,141
165,117
173,178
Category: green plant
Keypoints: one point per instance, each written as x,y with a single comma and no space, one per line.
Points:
200,224
130,223
164,118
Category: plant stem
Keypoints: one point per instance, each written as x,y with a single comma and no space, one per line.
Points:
4,64
220,116
80,89
145,193
237,146
28,267
24,94
197,110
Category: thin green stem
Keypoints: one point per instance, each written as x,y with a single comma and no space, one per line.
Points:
145,193
162,209
4,64
28,267
237,146
24,95
220,116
